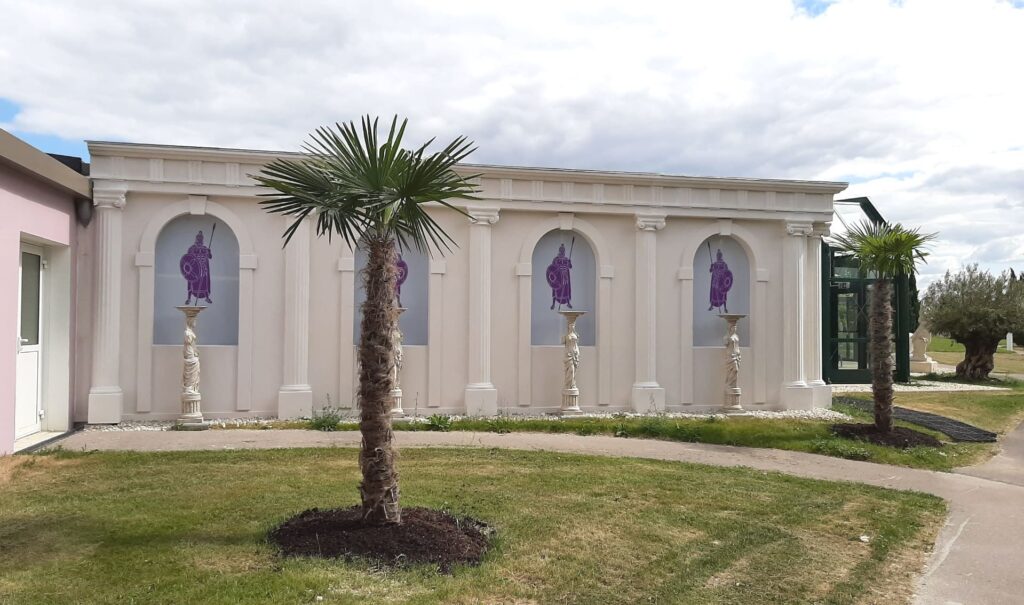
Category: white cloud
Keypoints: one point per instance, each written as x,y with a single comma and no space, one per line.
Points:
917,102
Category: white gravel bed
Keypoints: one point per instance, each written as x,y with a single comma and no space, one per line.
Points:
166,425
919,386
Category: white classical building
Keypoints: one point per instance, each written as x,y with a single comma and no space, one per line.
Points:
481,330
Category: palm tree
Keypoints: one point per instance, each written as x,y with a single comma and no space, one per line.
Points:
372,194
888,251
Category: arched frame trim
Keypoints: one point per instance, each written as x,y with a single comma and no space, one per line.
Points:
144,260
758,303
566,221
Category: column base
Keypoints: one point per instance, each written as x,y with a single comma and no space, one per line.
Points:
648,398
105,405
481,400
822,394
924,367
798,396
295,402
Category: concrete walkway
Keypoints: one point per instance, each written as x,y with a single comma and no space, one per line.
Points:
1007,466
978,558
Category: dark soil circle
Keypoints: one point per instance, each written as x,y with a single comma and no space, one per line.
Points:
900,437
424,536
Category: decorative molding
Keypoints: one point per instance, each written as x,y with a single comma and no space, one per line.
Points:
725,227
156,170
762,274
347,264
231,177
822,230
144,259
524,269
197,204
482,215
607,272
686,274
650,222
438,267
799,228
565,221
111,195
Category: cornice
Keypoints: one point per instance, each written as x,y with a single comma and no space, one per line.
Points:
253,156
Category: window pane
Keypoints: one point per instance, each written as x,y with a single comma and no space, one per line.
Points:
30,264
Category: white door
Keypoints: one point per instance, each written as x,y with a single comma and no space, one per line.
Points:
28,405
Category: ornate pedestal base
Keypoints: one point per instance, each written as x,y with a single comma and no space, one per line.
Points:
396,406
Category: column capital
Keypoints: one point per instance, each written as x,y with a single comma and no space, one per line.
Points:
821,230
799,228
110,196
482,215
650,222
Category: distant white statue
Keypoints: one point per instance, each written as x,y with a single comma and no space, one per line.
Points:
920,362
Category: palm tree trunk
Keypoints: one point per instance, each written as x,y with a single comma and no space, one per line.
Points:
379,488
880,341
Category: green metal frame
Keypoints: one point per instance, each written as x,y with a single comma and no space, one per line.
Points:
830,285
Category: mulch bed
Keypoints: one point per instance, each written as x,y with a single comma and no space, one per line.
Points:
424,536
900,437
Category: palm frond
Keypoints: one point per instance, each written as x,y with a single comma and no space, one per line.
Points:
889,250
353,180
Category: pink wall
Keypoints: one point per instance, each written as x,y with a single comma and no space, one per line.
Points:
41,214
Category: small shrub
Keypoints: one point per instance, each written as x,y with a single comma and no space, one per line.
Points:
500,425
439,422
840,449
327,419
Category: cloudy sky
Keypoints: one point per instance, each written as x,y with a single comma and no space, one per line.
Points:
916,103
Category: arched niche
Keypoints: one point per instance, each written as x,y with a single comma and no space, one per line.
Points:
564,277
196,255
198,206
413,295
721,284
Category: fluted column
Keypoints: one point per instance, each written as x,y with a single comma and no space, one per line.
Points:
796,393
481,396
814,293
295,399
106,398
647,394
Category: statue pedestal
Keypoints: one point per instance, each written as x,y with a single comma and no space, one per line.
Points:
731,404
396,345
570,391
191,418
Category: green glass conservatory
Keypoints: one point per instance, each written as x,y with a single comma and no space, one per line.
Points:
846,292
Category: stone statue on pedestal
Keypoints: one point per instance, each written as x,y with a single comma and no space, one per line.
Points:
732,364
191,400
571,363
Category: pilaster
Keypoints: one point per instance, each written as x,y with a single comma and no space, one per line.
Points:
813,353
647,394
295,399
481,396
796,393
106,398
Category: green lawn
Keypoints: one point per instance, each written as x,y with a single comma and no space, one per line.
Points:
189,528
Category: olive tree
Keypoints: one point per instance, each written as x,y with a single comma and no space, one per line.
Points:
976,309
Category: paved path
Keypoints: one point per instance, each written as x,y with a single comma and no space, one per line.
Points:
978,558
1007,466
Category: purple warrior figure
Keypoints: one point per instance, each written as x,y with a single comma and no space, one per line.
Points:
721,283
195,268
560,279
403,272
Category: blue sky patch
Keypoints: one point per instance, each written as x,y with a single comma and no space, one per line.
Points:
46,142
813,7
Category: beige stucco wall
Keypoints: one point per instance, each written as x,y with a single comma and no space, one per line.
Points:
625,217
